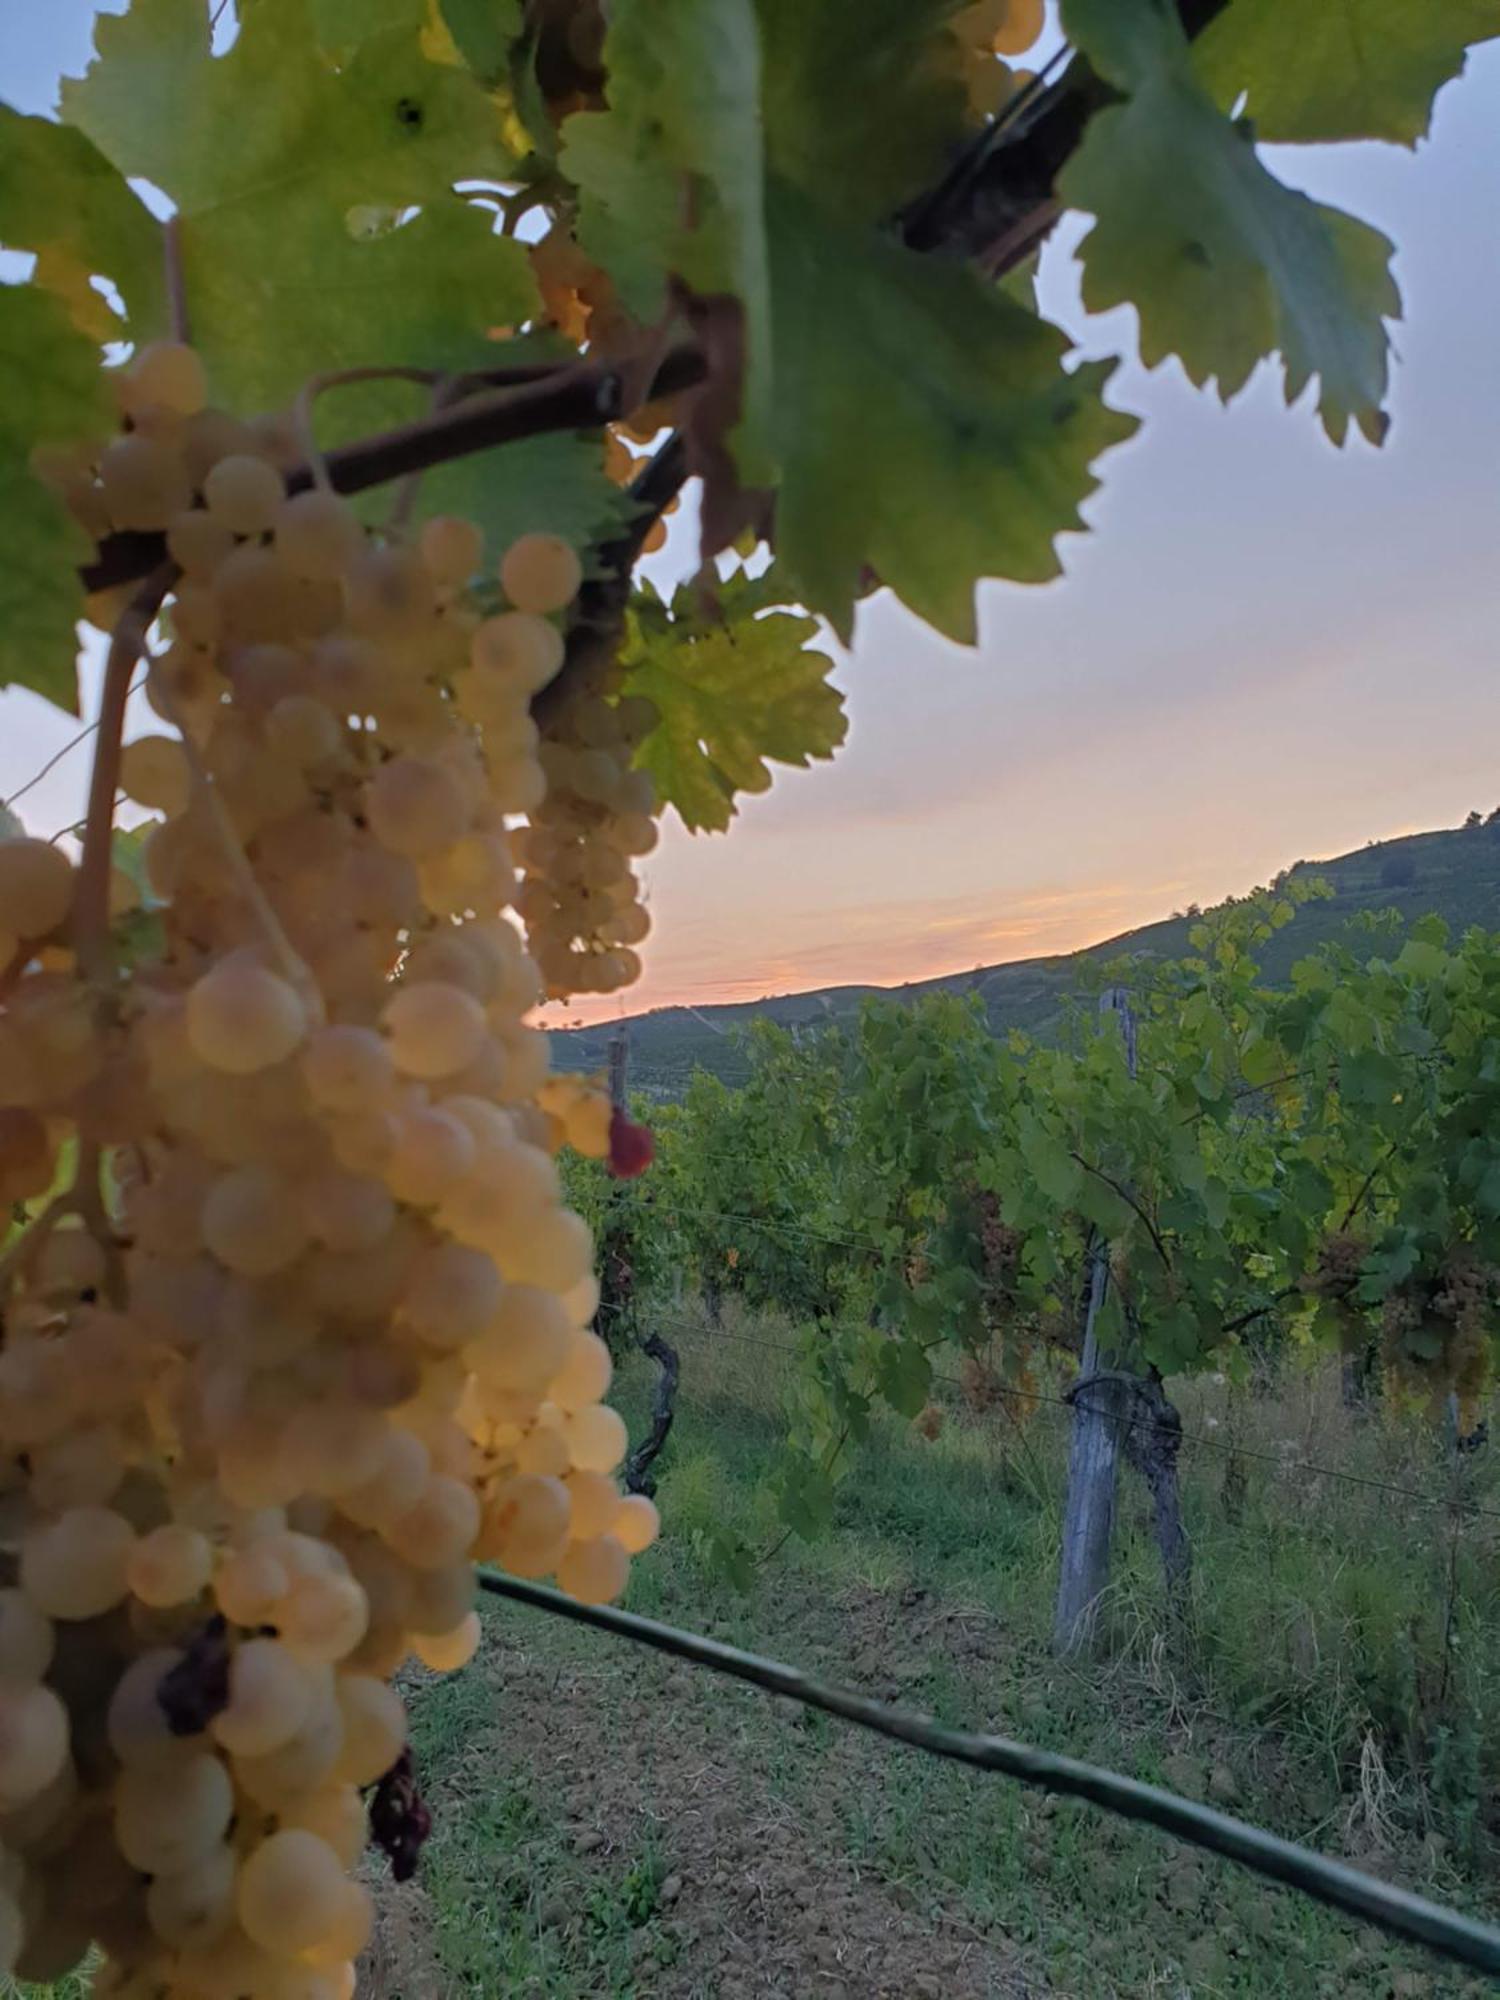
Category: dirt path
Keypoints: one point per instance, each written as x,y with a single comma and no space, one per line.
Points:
746,1894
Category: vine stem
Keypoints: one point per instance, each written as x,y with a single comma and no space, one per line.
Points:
91,932
1130,1202
570,398
599,615
1365,1186
23,1250
91,940
343,378
998,200
177,312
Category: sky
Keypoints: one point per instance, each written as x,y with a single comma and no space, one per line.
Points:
1266,650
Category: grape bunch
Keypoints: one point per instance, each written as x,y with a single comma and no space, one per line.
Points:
1466,1294
1435,1332
1000,1248
579,894
1338,1266
306,1328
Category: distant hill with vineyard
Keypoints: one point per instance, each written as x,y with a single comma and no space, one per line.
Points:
1453,872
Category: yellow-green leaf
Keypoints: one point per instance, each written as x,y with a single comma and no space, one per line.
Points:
736,691
61,199
1340,69
270,153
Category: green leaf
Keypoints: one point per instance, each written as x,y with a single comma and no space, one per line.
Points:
671,174
61,199
901,383
139,934
52,390
904,1374
1051,1166
542,485
128,854
734,692
268,153
805,1497
726,1554
1172,1340
863,99
1487,1193
1097,1202
1224,265
1369,1077
1340,69
1423,960
484,33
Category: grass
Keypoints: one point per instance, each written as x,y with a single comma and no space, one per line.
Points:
502,1872
611,1824
1315,1694
74,1987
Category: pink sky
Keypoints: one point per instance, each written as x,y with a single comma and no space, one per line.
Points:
1268,650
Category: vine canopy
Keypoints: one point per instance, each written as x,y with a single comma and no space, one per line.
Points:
822,215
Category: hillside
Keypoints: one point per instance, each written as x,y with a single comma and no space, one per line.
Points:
1454,872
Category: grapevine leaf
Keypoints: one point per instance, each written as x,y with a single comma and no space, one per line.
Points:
139,933
904,1375
804,1492
128,854
903,382
733,692
484,32
60,198
57,271
51,390
727,1555
863,99
1343,69
1099,1204
1050,1164
342,25
552,485
1223,263
1422,958
671,174
275,161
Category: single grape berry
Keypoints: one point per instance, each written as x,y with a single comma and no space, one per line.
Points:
540,573
631,1147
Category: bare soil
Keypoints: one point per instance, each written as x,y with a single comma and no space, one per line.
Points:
753,1897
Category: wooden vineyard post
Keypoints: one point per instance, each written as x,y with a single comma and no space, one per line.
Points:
619,1053
1099,1402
